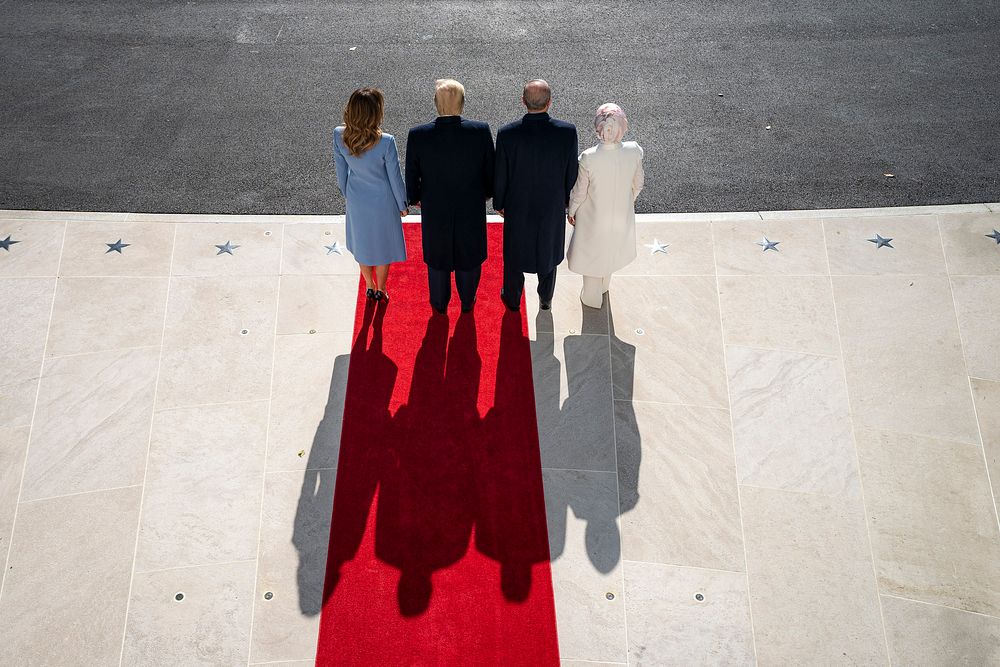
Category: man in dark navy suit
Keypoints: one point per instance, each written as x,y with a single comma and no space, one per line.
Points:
449,175
536,169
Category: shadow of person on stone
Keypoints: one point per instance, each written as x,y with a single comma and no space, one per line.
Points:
426,506
591,472
311,531
362,457
510,524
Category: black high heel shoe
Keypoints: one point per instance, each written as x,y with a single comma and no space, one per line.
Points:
370,294
381,296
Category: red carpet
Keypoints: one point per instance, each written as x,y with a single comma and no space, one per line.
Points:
438,546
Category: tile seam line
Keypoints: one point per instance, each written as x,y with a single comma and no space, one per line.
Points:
79,493
732,441
689,567
149,445
266,448
618,493
34,411
194,565
783,350
857,456
941,606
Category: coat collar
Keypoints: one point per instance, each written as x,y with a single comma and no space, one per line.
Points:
447,120
543,115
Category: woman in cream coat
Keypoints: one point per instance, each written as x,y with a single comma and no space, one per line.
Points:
602,205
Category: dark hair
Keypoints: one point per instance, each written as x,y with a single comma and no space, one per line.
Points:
362,120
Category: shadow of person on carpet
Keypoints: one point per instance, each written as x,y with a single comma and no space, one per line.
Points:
589,442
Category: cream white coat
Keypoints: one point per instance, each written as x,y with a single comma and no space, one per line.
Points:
603,204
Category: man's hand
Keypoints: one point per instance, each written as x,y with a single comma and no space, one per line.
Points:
500,213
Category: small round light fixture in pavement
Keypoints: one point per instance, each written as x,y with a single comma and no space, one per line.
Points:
312,331
699,597
244,332
267,233
327,233
268,595
610,596
640,332
179,597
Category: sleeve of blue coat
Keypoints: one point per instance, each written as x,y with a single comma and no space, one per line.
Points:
572,167
500,176
490,160
413,176
341,166
395,174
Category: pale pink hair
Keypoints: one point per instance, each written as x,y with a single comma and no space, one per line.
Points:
610,123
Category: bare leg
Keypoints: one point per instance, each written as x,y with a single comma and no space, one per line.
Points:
366,273
381,275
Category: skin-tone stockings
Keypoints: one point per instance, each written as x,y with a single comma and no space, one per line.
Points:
375,276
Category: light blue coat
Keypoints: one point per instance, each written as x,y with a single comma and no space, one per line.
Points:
372,184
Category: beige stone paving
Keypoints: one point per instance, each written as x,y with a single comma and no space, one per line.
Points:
786,457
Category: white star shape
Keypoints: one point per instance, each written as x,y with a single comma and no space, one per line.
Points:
656,247
767,244
334,248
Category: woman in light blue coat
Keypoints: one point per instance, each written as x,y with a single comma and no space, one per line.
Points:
371,181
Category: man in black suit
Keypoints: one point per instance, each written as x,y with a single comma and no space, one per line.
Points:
536,169
449,175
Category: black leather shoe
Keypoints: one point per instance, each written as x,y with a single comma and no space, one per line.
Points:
468,308
545,305
381,296
370,294
511,308
439,311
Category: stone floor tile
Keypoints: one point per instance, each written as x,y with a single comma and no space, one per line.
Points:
91,426
916,245
925,634
95,314
779,312
209,626
812,586
668,342
317,303
203,486
987,397
688,252
195,252
37,250
307,401
677,486
966,247
667,624
295,535
903,355
23,337
792,422
800,250
14,441
150,247
585,547
285,663
979,321
206,358
305,251
568,314
934,527
68,579
572,380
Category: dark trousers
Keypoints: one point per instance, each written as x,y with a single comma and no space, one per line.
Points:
439,282
513,285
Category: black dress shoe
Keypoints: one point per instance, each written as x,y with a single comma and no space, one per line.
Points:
381,296
511,308
545,305
468,308
370,294
439,311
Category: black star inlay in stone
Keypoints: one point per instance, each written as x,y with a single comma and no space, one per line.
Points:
7,243
879,242
995,236
116,246
226,247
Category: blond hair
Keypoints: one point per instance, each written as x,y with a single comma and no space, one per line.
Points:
449,97
363,120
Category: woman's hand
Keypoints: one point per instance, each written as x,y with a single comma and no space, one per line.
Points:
403,213
572,219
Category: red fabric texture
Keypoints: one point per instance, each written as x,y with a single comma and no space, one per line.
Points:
438,546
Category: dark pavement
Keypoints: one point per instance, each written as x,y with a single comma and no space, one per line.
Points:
223,106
